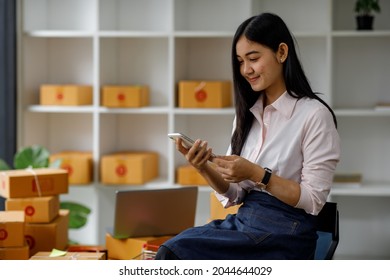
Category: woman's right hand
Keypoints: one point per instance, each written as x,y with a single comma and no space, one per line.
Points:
197,155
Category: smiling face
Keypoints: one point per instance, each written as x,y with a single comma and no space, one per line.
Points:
262,67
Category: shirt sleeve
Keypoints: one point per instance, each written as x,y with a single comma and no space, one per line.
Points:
235,194
321,152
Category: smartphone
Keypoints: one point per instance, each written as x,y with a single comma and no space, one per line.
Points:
187,141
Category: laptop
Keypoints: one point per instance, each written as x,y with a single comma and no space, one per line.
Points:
154,212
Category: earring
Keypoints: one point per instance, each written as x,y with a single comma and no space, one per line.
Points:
281,60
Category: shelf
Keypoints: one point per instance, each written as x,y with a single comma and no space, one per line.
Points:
59,34
157,183
361,33
381,190
144,110
60,109
133,34
204,111
362,112
203,34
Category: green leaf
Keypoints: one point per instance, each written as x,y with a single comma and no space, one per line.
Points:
4,165
34,156
78,214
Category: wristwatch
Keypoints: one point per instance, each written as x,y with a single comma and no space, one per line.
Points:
264,182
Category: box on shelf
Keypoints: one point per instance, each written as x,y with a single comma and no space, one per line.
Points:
129,167
130,248
347,180
12,229
187,175
33,182
78,164
204,94
69,256
217,211
36,209
69,95
130,96
14,253
48,236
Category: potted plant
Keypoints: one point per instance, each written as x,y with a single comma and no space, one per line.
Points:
364,10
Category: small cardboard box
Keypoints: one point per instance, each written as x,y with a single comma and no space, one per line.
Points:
129,167
70,256
15,253
125,96
204,94
187,175
131,248
217,211
12,229
48,236
36,209
88,249
78,164
33,182
69,95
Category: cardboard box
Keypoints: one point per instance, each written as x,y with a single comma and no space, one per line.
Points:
130,248
48,236
129,168
12,229
88,249
204,94
69,256
15,253
33,182
217,211
125,96
36,209
78,164
187,175
68,95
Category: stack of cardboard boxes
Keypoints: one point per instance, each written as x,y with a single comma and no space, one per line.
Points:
32,203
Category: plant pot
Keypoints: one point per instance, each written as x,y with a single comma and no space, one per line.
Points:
364,22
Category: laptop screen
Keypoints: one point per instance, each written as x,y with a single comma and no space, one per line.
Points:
154,212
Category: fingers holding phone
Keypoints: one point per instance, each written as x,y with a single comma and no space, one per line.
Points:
198,154
185,143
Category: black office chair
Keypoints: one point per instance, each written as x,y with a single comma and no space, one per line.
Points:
328,232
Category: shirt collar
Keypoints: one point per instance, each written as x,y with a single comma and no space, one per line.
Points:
285,104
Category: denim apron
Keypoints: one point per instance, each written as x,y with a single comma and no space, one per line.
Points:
263,228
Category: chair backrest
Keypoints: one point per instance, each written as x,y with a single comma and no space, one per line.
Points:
328,232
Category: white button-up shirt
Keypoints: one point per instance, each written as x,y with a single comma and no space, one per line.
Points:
297,139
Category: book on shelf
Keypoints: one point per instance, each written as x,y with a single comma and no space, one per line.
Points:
347,180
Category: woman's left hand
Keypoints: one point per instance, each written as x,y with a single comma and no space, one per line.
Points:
233,168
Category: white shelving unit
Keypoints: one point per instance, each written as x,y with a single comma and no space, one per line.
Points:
160,42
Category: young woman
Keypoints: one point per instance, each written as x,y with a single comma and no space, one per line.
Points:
280,163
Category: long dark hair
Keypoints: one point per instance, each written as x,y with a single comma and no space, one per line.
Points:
268,30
